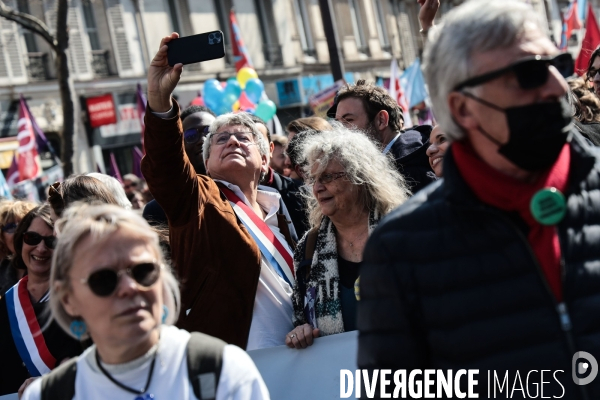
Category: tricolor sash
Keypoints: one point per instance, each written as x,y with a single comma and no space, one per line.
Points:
26,331
275,252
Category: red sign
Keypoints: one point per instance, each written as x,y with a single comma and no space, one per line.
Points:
101,110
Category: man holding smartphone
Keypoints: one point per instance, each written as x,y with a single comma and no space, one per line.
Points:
229,243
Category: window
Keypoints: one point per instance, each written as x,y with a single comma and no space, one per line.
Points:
357,27
382,27
27,34
90,24
174,17
223,7
304,31
271,46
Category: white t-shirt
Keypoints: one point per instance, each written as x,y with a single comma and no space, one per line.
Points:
239,380
272,315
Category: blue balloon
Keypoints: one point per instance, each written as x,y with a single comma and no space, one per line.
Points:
227,100
233,87
254,89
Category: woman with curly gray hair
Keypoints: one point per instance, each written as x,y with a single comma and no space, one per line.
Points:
109,282
353,185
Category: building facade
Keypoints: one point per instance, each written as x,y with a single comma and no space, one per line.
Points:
113,41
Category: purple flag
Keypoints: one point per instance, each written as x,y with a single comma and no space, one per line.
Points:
137,162
42,142
141,108
115,168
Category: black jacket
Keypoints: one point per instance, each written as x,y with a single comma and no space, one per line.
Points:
409,152
449,282
292,198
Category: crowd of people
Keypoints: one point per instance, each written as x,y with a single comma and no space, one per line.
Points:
471,244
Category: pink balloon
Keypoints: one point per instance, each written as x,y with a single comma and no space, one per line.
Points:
198,101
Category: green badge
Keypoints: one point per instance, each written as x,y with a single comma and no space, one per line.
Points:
357,288
548,206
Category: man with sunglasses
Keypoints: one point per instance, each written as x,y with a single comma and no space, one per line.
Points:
494,267
230,244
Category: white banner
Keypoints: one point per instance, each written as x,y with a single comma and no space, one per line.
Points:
311,373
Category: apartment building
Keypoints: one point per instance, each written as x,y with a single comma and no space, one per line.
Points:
113,41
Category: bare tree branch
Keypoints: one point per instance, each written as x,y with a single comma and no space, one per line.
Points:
30,22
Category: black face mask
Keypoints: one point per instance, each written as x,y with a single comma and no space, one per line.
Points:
537,132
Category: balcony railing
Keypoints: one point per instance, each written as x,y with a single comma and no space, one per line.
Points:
38,66
100,63
273,54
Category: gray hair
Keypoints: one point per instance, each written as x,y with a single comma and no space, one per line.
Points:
100,222
115,188
382,186
231,119
474,27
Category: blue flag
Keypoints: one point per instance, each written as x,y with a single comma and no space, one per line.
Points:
4,190
413,84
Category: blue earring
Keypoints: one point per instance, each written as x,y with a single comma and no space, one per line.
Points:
165,313
78,328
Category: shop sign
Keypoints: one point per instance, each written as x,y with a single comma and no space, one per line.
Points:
101,110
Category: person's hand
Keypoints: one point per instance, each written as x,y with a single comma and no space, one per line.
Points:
301,337
24,386
427,13
162,78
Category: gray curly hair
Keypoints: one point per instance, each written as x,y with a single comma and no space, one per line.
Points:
382,187
231,119
473,27
100,222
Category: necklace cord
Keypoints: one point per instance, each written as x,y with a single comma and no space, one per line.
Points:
122,386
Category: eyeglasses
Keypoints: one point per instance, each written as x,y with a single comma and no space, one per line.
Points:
104,282
242,137
531,72
9,228
193,135
592,73
34,238
326,178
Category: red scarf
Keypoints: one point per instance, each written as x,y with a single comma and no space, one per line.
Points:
501,191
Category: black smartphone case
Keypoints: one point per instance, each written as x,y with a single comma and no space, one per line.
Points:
196,48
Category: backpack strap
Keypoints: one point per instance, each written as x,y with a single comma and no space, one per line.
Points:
60,383
204,361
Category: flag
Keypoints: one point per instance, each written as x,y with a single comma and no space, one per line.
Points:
115,173
413,84
141,108
397,94
571,22
241,57
581,6
12,176
591,40
137,162
28,161
4,189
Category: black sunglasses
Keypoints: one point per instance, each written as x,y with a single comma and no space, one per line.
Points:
9,228
531,72
104,282
34,238
192,135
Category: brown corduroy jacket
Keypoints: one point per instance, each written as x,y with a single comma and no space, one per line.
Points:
214,256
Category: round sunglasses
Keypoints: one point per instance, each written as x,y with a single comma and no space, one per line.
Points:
9,228
104,282
34,238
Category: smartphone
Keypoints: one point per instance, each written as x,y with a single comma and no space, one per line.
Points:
196,48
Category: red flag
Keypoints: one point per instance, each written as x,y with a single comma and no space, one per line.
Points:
241,57
572,19
396,92
141,109
591,40
28,161
12,176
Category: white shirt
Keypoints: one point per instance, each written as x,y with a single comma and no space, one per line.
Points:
239,380
272,316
